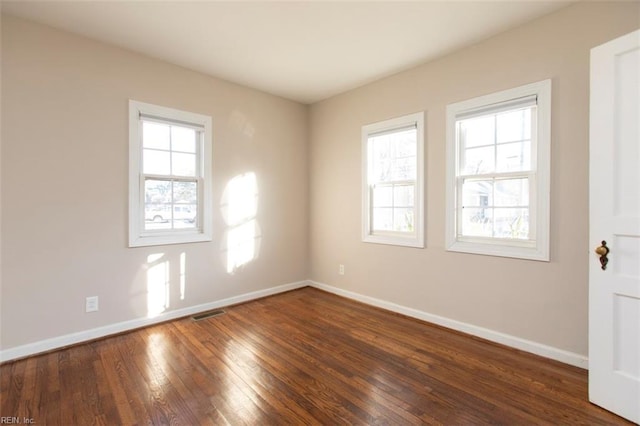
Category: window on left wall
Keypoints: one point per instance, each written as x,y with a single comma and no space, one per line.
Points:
392,181
169,175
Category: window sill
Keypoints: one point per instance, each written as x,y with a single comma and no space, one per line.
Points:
517,250
395,240
166,239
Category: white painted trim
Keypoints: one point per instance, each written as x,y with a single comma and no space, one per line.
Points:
107,330
546,351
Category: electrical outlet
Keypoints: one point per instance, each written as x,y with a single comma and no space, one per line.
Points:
91,304
341,269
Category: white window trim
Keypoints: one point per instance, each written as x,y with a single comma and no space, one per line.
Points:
415,239
539,190
137,235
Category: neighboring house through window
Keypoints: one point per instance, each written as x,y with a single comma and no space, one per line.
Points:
169,175
498,173
393,181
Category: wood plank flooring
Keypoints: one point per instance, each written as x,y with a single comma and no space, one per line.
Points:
303,357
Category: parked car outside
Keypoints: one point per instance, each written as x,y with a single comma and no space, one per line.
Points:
186,213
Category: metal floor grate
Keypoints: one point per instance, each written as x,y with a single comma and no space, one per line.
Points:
208,314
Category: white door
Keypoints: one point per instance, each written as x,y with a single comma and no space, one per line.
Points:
614,292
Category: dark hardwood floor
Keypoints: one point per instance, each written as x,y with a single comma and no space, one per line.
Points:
303,357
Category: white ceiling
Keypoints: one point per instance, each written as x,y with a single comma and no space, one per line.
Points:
305,50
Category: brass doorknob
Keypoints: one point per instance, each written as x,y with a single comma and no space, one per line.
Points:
603,252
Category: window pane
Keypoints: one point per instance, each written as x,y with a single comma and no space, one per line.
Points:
183,164
514,157
155,135
157,216
511,223
156,162
382,219
184,216
403,220
170,204
477,131
477,193
383,196
477,222
380,155
185,192
381,171
514,125
157,191
512,192
403,196
403,169
183,139
406,146
393,156
478,160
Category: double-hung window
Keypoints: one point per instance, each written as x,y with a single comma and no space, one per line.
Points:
498,154
169,175
393,174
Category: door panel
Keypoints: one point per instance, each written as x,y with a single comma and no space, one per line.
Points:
614,291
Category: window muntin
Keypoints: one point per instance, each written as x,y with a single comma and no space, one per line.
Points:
392,187
170,172
498,154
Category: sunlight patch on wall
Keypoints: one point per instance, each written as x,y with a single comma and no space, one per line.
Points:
239,209
240,123
241,244
158,273
183,274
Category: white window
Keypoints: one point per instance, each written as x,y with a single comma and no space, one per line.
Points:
393,174
169,176
498,158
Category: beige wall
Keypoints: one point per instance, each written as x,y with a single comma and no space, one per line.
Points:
64,183
538,301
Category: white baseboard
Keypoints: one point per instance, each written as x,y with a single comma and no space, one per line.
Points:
107,330
561,355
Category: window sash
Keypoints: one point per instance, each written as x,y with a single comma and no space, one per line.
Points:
393,206
199,205
461,143
200,134
530,177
